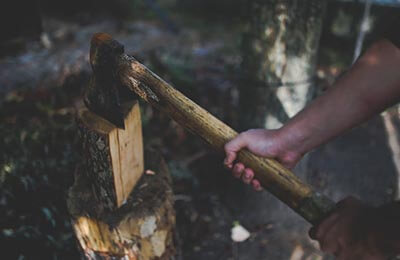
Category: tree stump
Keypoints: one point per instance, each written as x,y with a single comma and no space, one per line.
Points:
117,211
143,228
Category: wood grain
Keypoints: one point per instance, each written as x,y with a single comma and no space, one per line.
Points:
113,156
126,147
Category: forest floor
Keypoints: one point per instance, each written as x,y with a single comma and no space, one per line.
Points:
39,147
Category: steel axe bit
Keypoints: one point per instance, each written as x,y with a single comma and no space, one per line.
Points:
101,95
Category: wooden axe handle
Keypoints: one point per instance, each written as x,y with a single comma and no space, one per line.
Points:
273,176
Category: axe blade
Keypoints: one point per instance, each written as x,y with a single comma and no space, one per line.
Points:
101,94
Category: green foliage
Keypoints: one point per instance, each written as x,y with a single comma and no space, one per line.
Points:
37,160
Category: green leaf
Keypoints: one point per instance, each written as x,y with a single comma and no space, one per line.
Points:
49,216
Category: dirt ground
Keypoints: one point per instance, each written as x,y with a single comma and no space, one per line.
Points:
204,65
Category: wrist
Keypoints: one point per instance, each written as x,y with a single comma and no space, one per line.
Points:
294,139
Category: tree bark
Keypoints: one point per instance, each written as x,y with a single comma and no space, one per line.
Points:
279,56
143,228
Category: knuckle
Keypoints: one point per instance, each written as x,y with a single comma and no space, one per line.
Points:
247,133
238,167
249,173
242,135
227,147
250,131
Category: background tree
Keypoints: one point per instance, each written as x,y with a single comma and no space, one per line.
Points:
280,47
279,51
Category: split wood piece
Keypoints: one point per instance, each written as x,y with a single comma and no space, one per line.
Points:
113,157
143,228
272,175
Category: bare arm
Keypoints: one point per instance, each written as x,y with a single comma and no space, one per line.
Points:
372,85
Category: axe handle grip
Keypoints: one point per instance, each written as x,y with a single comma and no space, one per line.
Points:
278,180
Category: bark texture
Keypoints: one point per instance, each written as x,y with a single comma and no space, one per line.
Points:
279,55
143,228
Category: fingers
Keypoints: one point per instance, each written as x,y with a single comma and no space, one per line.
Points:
324,227
230,157
336,233
248,175
238,170
324,235
332,241
232,147
256,185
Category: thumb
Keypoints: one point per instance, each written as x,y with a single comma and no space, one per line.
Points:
232,147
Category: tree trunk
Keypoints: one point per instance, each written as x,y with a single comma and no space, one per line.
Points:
143,228
279,52
279,56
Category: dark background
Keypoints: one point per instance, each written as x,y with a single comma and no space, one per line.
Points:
196,46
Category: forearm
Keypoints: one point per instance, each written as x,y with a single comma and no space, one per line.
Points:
371,85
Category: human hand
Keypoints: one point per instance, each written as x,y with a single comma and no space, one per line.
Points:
262,142
355,231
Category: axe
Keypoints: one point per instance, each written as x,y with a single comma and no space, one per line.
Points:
275,178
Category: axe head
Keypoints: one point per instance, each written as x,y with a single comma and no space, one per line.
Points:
101,95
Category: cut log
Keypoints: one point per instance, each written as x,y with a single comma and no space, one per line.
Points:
113,157
143,228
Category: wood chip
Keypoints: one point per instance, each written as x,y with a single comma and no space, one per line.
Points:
150,172
297,253
144,185
239,233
